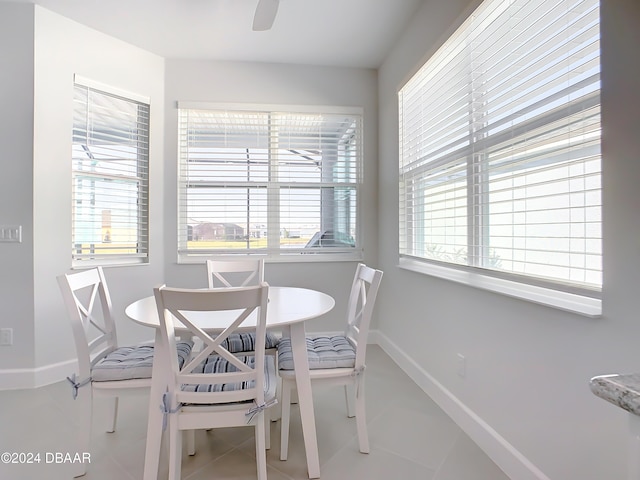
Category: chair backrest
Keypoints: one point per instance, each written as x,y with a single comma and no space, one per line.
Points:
201,374
362,299
235,273
88,304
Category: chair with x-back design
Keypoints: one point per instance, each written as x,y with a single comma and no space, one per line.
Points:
336,360
241,272
104,368
216,388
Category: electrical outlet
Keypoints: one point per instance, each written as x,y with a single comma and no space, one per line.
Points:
462,366
6,336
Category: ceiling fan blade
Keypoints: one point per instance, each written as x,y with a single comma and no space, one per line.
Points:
265,14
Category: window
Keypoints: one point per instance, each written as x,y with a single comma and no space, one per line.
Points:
271,182
110,176
500,148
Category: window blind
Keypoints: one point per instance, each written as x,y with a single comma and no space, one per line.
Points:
268,182
110,185
500,164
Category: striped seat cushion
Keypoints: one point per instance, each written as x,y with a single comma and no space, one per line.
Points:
217,364
246,342
323,352
127,363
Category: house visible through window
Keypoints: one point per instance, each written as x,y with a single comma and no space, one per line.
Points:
268,182
500,147
110,176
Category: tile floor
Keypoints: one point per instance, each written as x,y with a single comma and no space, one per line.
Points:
410,437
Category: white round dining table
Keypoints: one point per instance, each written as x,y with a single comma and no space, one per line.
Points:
288,309
287,305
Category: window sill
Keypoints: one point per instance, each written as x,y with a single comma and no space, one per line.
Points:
301,258
109,262
570,302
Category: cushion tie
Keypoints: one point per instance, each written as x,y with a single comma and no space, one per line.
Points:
75,386
252,412
357,372
166,410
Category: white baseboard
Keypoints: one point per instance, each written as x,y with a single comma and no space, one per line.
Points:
513,463
19,378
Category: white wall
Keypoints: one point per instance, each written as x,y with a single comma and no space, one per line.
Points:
16,204
263,83
526,391
65,48
44,51
47,50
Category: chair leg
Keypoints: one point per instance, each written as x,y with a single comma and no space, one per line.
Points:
113,414
285,419
261,448
175,449
191,442
155,448
85,412
350,395
361,418
267,426
277,408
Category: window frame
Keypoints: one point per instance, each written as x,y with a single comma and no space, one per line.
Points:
278,254
584,301
139,181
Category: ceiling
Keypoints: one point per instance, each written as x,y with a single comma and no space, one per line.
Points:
356,33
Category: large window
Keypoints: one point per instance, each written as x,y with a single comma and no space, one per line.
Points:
500,147
110,176
271,182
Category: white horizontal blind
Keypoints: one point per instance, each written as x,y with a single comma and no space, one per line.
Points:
500,145
110,178
268,182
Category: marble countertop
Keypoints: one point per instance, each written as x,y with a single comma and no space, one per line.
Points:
621,390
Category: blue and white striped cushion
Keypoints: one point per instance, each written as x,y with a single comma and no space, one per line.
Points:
246,342
127,363
217,364
323,352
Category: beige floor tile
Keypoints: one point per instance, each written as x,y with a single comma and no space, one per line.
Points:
465,461
410,437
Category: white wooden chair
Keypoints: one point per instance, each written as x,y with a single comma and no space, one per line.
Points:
337,360
240,272
104,368
216,388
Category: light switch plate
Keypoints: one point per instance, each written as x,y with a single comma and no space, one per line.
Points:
6,336
11,233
